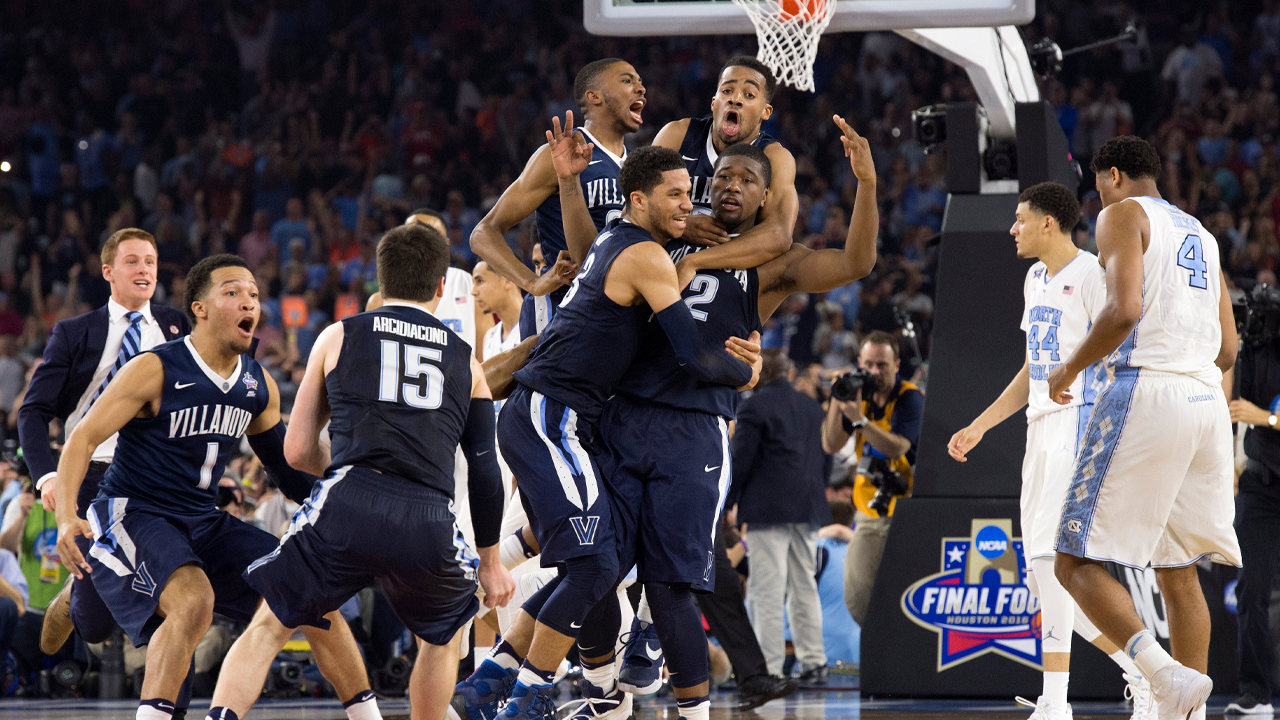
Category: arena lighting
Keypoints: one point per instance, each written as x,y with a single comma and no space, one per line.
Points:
5,166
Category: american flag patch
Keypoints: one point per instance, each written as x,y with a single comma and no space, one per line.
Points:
1068,289
461,300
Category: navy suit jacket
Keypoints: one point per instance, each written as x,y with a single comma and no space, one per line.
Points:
70,360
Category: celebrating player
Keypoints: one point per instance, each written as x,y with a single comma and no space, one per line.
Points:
164,557
1153,481
1065,293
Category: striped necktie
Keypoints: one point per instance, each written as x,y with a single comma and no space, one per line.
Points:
130,346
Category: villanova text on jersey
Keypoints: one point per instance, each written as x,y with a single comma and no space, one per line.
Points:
699,154
600,189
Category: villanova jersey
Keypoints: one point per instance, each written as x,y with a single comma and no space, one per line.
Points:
1181,286
406,418
726,303
700,156
1058,313
175,459
589,343
599,187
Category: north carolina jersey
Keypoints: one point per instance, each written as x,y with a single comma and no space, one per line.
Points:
591,341
498,340
599,187
457,309
1058,313
726,303
175,459
404,418
699,153
1179,331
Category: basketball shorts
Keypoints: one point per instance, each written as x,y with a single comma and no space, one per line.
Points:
1153,480
670,472
1052,442
137,546
550,451
361,528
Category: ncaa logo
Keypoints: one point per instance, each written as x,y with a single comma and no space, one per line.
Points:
992,542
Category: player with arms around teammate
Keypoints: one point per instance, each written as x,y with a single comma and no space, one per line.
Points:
164,558
1065,291
1153,481
611,97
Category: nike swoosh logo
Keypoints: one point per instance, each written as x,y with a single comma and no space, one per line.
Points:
179,386
709,468
575,626
686,157
593,162
653,655
481,453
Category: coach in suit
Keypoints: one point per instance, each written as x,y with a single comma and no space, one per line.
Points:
83,355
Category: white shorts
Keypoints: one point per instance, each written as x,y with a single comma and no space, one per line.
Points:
1153,481
1052,442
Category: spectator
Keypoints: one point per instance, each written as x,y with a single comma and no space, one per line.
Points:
1189,66
292,225
884,427
777,487
840,634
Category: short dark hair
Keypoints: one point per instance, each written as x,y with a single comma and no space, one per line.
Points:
1054,200
1131,155
411,260
774,365
841,512
880,337
587,77
432,213
200,277
750,151
746,61
643,168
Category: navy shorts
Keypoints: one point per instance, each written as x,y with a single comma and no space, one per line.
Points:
361,528
549,451
669,470
137,547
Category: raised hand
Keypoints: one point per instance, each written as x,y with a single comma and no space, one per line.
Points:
556,276
857,149
568,156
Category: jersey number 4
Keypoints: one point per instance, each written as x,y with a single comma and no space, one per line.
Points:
1191,257
391,384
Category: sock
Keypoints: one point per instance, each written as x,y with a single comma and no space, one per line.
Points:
1055,687
221,713
513,550
364,706
1124,662
599,674
643,614
504,656
1146,653
531,676
154,709
695,708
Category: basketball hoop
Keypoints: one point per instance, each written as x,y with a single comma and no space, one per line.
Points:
788,33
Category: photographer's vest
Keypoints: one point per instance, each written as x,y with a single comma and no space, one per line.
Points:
882,418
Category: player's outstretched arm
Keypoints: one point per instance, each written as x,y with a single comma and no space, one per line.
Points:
136,389
498,370
302,448
536,184
484,489
266,436
644,272
1121,228
569,158
1013,399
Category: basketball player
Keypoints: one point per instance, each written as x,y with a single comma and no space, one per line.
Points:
164,557
547,432
496,295
1153,481
611,96
1065,292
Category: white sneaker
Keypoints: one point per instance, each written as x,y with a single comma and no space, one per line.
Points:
1179,690
1249,705
1046,710
1138,690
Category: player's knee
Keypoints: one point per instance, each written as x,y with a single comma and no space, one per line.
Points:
666,598
1064,568
592,576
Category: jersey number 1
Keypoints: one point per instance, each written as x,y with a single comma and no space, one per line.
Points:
1191,257
391,384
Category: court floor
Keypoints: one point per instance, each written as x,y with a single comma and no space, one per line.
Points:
805,705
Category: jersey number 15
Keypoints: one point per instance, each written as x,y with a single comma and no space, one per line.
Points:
391,384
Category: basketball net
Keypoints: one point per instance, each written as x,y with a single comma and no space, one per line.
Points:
788,33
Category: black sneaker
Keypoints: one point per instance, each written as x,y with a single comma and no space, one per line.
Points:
1249,705
760,689
814,676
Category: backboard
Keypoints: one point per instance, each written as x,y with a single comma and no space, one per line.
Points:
721,17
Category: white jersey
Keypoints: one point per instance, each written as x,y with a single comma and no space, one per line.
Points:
1180,331
457,309
1058,313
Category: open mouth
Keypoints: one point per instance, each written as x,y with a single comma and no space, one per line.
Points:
679,221
730,124
144,284
730,205
636,108
246,325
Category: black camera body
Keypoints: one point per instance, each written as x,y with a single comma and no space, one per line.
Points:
846,387
889,483
1258,317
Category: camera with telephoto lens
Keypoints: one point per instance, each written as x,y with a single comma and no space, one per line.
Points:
889,483
846,387
1258,317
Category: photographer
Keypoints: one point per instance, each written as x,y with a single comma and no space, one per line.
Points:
882,413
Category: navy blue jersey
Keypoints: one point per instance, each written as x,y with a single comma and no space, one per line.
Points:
399,395
175,459
591,340
726,304
599,187
700,158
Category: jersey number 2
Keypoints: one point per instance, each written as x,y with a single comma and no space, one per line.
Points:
1191,257
706,287
391,384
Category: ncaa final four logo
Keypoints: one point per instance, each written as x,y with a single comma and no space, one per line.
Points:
979,603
